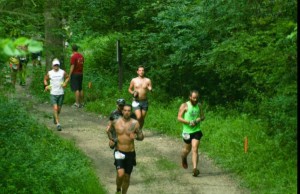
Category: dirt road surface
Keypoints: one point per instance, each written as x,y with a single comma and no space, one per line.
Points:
158,169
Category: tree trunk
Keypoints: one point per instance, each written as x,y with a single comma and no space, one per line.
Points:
53,33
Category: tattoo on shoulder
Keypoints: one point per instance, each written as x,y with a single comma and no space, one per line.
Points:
132,128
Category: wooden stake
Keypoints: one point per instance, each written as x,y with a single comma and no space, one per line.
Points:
246,144
90,84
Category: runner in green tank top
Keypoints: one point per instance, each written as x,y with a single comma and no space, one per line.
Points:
190,114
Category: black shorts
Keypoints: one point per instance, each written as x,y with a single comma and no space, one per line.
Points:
197,135
76,82
127,163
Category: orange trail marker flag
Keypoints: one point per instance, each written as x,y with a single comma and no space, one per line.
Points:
246,144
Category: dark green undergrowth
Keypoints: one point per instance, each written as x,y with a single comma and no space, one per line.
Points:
34,160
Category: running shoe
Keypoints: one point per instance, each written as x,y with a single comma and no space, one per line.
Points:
196,172
184,162
58,127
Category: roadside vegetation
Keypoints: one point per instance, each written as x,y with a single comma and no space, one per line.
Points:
35,160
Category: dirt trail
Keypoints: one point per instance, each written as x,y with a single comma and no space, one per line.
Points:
158,169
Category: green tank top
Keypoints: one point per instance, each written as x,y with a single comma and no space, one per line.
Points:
191,114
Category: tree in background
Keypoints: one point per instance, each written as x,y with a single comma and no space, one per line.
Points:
53,32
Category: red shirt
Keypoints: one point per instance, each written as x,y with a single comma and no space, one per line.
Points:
77,60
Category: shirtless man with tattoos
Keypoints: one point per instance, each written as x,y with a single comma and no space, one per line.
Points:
127,130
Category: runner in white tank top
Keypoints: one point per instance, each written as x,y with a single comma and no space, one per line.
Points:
58,81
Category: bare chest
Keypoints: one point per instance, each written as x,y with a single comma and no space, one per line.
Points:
141,83
125,127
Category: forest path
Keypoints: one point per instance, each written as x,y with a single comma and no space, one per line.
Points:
158,169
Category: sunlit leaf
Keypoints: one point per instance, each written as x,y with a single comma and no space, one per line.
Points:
35,46
21,41
9,50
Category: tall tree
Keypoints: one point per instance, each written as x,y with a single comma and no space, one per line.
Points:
53,32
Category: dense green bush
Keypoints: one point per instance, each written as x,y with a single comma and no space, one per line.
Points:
100,53
281,114
34,160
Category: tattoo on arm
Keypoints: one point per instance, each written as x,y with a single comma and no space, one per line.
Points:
139,133
132,128
111,132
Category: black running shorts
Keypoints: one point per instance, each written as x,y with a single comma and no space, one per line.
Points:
197,135
76,82
127,163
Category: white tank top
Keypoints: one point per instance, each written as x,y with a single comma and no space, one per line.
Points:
56,81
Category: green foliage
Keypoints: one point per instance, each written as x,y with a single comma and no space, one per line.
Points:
34,160
266,158
165,119
37,86
23,18
5,77
280,113
105,99
100,54
9,47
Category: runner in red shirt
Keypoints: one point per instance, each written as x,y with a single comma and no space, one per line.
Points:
76,75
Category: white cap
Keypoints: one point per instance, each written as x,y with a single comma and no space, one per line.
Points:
55,62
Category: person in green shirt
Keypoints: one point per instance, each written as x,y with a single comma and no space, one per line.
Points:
191,115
